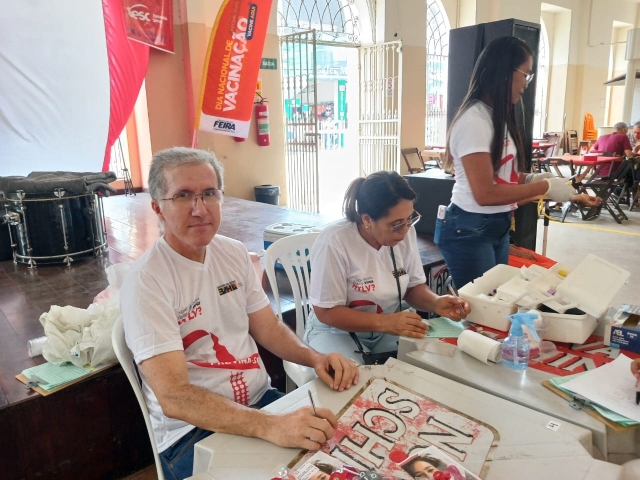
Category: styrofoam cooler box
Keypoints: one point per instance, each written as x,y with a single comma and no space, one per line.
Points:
277,231
490,311
590,286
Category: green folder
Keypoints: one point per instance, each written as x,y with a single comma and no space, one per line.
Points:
605,412
55,375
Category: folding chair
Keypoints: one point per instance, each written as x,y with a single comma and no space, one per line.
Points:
605,189
413,151
434,156
571,142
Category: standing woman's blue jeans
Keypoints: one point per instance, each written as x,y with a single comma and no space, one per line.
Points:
472,243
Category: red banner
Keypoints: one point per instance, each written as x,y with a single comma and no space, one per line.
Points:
150,22
233,64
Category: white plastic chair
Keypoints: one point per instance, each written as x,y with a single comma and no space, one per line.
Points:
293,253
126,360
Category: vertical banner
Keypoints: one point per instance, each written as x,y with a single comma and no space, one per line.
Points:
150,22
232,67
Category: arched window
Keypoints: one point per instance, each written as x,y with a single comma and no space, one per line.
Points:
334,20
542,84
437,65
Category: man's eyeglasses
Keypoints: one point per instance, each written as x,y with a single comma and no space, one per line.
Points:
210,196
412,221
527,76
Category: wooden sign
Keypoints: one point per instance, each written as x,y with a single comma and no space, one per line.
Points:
385,424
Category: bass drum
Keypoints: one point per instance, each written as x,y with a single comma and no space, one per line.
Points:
48,229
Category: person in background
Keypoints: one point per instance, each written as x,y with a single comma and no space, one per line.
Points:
193,312
364,269
486,150
634,137
613,144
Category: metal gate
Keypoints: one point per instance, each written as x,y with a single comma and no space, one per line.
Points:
298,58
380,107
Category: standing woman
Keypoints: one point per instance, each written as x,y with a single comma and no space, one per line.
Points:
354,266
486,150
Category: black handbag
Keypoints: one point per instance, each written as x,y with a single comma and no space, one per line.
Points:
371,358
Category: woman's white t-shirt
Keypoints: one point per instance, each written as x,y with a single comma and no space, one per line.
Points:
472,133
347,271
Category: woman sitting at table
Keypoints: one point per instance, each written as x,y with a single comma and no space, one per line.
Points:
364,267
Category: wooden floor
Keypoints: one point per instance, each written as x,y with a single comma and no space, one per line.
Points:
131,228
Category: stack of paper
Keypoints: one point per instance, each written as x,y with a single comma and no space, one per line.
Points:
610,388
55,375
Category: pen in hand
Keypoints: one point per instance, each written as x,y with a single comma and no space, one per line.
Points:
637,391
313,405
455,294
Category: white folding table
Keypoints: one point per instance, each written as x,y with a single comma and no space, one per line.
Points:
527,448
522,387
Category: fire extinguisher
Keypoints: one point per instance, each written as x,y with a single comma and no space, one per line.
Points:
262,119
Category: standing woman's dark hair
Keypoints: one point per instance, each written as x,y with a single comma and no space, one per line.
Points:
374,195
491,81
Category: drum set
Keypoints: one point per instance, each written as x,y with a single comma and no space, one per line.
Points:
54,227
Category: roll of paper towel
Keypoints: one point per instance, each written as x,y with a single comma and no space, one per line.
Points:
478,346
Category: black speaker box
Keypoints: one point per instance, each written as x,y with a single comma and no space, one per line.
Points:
465,46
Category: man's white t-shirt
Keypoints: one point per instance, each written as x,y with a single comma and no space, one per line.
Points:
472,133
347,271
172,303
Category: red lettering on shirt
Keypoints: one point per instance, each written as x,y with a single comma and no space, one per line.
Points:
513,175
365,303
225,359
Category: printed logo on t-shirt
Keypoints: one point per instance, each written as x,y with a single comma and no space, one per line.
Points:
225,360
401,272
507,173
192,311
365,284
228,287
365,303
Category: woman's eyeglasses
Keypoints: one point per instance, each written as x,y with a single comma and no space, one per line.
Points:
527,76
412,221
210,196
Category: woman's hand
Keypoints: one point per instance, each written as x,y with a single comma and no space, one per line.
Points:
586,200
405,323
452,307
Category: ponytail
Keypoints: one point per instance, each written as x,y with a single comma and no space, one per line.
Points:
375,195
349,206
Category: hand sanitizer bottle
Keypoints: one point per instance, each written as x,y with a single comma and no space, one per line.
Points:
515,348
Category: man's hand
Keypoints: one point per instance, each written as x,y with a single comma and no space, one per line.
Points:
521,252
301,429
586,200
337,371
405,323
452,307
635,368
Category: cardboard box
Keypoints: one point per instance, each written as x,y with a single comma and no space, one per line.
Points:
623,330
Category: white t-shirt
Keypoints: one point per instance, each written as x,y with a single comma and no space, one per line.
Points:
472,133
172,303
347,271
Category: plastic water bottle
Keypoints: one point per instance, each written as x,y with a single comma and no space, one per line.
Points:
516,348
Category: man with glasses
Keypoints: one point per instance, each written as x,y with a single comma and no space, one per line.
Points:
193,310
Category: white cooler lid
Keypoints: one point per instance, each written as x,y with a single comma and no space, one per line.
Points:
593,284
